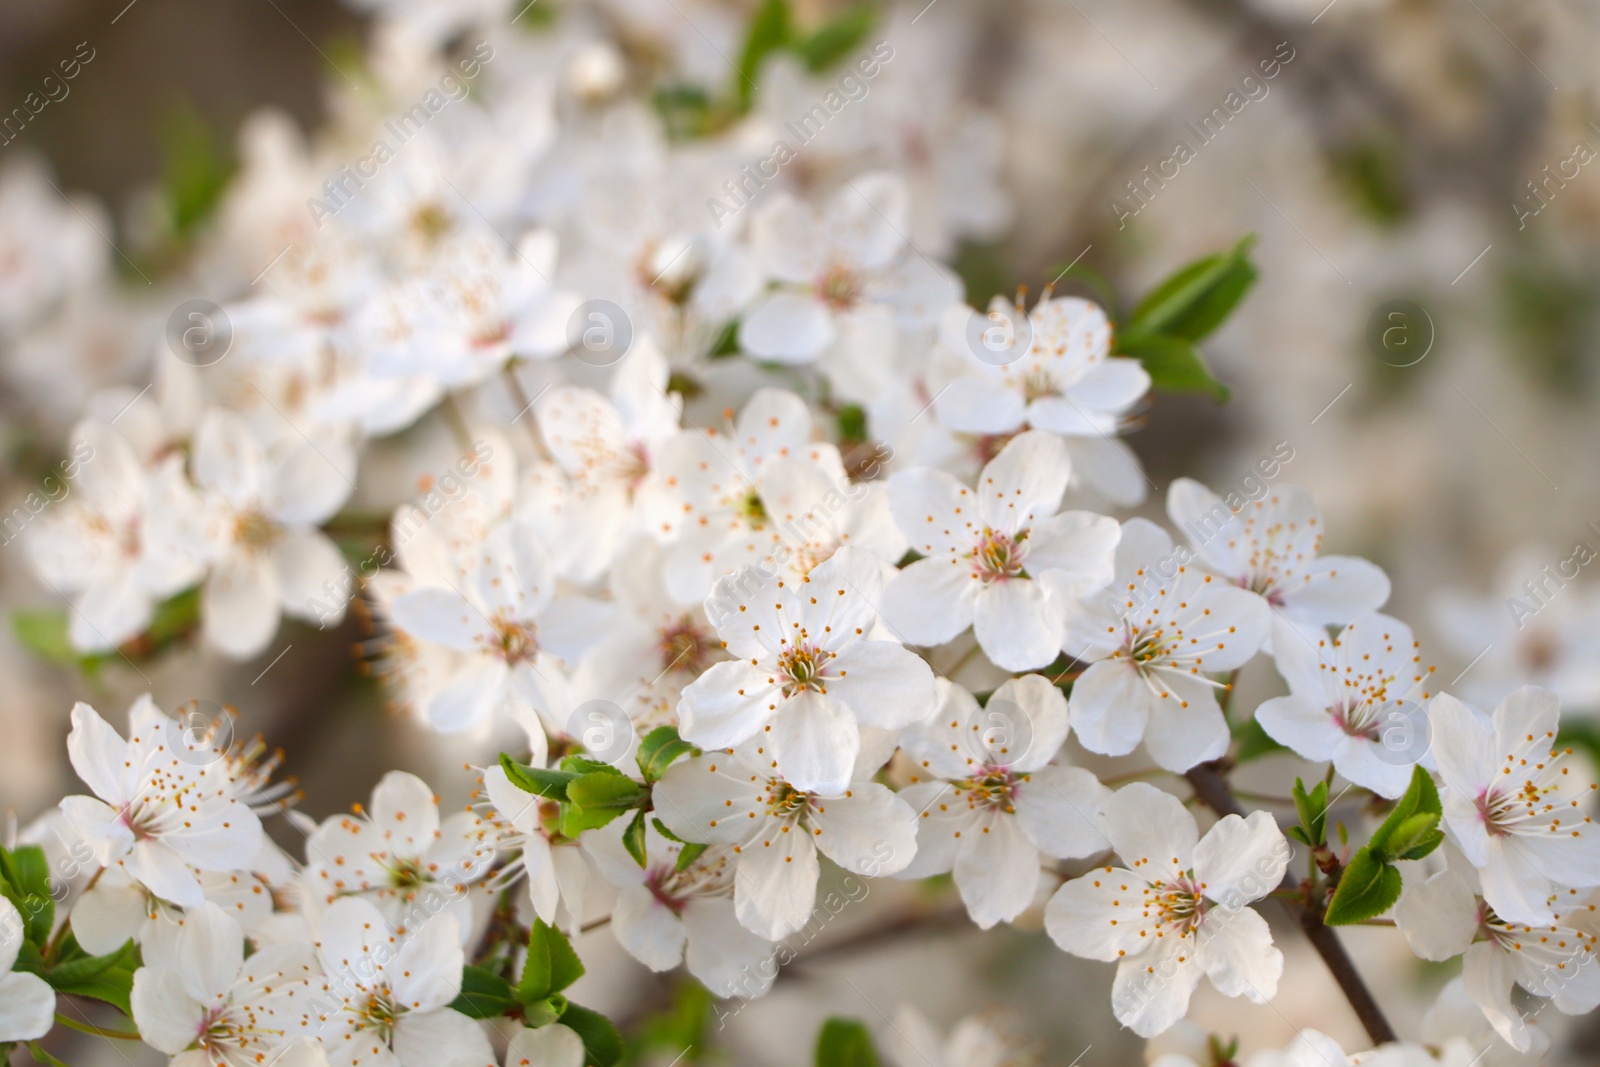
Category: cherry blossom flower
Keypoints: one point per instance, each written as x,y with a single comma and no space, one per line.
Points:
27,1003
1445,916
1065,381
1270,547
665,916
1357,699
975,1041
999,558
996,804
199,999
609,448
1178,910
1513,804
114,541
384,998
262,512
805,671
398,850
1150,640
515,631
514,821
845,274
478,305
737,799
158,808
718,518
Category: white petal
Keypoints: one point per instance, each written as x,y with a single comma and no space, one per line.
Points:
815,740
1151,992
1027,720
1109,707
309,484
1241,859
1062,810
1024,482
996,870
775,882
1303,726
1152,830
313,580
27,1007
882,683
648,929
442,1038
1018,625
728,704
871,831
1337,590
728,959
168,1018
239,603
1438,915
98,753
549,1046
442,616
931,601
426,973
787,328
1237,952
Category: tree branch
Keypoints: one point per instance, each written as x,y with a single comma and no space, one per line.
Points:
1213,790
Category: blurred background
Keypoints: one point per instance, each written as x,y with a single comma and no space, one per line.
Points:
1422,176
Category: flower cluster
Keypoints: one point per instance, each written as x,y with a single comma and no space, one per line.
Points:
770,559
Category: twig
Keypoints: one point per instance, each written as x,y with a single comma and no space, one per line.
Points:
1213,790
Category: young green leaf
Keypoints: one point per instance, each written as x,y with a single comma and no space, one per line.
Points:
1368,888
837,38
1312,809
1421,798
545,783
688,854
1174,364
659,749
1196,298
27,883
84,968
601,1040
633,838
551,966
484,994
845,1043
769,31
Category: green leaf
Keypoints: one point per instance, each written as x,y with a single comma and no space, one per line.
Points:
596,798
1415,837
64,976
837,38
536,780
601,1040
195,167
543,1012
1313,811
1368,888
484,994
852,424
633,838
769,31
1196,298
114,986
659,749
552,965
599,790
1421,798
1174,365
576,764
26,882
44,633
845,1043
689,853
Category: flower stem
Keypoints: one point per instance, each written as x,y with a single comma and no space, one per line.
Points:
98,1031
1213,790
37,1052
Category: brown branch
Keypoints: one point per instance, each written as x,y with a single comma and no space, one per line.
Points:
1213,790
